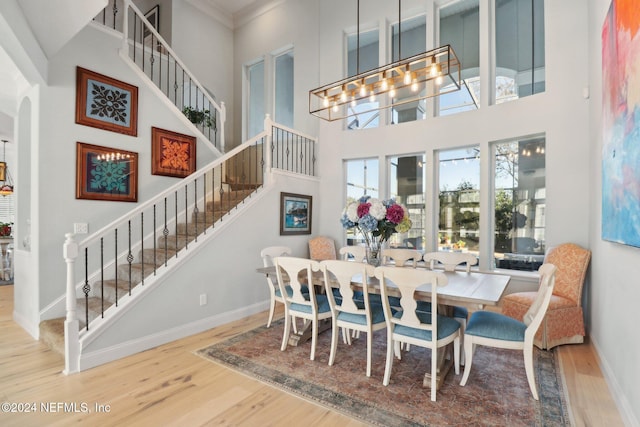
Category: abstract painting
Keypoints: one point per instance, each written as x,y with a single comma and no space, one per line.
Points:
104,173
621,123
106,103
172,153
295,214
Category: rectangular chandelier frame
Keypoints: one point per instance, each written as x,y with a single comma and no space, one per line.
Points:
415,78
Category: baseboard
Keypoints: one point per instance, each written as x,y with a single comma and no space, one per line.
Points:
33,330
621,401
99,357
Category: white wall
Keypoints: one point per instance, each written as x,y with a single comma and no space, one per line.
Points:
615,268
206,48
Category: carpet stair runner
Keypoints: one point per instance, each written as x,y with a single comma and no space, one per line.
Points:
52,330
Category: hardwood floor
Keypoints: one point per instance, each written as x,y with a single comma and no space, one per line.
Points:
171,386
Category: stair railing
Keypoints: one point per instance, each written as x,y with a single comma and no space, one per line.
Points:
141,246
151,53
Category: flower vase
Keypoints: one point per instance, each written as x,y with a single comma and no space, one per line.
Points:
374,257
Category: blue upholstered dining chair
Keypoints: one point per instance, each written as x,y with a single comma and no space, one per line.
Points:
268,254
311,306
449,262
351,314
409,326
497,330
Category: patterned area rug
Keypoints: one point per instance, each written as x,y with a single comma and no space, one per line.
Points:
496,394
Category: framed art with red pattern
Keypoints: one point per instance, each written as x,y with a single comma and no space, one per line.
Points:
172,154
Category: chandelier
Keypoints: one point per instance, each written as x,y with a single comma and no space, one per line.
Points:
6,183
411,79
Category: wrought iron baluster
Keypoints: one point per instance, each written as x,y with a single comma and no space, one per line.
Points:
204,192
135,31
86,288
165,233
175,219
142,247
115,12
195,203
102,276
116,262
130,257
186,217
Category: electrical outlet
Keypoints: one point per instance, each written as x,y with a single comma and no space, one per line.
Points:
203,299
81,228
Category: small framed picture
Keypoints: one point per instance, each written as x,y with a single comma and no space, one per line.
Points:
106,103
3,169
172,153
104,173
295,214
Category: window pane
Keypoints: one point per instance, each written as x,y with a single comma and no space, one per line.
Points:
367,113
460,28
520,203
520,55
362,179
459,214
414,41
284,89
255,110
406,186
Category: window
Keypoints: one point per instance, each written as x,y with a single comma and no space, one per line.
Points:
460,28
459,200
520,55
283,98
406,185
520,203
362,179
413,41
367,113
255,99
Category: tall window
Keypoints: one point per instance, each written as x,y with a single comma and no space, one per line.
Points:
520,203
283,99
255,98
459,199
520,55
366,111
460,28
413,41
406,185
362,179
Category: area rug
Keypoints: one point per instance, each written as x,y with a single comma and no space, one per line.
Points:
496,394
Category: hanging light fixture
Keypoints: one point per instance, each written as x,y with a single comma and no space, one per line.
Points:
422,76
6,183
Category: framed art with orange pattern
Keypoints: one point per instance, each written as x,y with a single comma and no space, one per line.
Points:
172,153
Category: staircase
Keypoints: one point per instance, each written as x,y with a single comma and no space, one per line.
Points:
148,260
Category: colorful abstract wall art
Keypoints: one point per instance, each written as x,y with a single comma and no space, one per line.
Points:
621,123
172,154
106,103
104,173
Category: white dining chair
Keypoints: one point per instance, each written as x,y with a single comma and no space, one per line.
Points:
401,256
351,314
498,330
409,326
310,306
358,253
268,254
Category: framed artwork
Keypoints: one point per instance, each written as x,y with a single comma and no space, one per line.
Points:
106,103
172,154
104,173
295,214
153,16
3,169
620,124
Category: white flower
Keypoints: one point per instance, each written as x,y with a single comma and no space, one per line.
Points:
352,212
377,209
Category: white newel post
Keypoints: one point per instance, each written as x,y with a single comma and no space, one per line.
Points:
125,29
268,127
71,324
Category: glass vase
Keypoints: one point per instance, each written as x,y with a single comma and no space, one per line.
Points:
374,256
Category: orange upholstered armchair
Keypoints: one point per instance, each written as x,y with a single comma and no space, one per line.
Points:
564,321
322,248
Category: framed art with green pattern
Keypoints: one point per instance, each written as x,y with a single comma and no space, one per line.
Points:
104,173
106,103
172,153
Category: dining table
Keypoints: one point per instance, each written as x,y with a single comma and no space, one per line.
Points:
474,290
